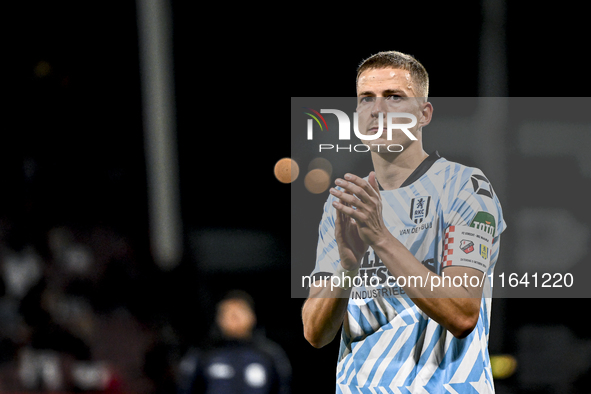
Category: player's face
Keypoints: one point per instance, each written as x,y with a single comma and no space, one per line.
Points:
387,90
235,319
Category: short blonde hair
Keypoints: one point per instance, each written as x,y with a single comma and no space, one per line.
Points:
399,60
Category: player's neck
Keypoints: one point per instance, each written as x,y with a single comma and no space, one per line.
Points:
393,169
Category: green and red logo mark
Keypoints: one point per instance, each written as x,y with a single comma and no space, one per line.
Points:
315,117
484,221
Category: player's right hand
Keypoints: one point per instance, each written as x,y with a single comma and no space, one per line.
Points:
351,247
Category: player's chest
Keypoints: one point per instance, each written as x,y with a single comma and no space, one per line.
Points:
410,215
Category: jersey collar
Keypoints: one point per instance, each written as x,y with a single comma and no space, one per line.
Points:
420,170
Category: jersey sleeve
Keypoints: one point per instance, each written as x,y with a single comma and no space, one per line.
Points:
473,224
327,253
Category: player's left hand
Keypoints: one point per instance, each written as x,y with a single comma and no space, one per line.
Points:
364,205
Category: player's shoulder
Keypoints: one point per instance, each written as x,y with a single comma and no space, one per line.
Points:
461,183
469,197
452,167
452,172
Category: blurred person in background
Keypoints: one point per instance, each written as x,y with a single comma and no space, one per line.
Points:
241,359
62,329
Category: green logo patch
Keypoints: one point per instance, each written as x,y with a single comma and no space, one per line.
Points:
484,221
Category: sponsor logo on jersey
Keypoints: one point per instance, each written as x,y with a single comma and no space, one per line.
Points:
419,208
484,221
414,230
481,185
371,265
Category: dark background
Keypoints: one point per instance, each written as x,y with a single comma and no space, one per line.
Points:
74,157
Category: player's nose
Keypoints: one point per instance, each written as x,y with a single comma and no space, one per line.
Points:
379,105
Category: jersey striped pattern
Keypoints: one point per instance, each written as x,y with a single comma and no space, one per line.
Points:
388,345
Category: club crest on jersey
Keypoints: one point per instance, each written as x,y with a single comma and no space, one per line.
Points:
467,246
484,251
419,208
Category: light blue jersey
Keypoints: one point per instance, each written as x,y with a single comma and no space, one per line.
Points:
446,214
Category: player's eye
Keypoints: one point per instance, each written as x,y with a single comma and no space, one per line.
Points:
394,97
367,99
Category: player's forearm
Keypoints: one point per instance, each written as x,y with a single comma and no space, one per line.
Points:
455,308
323,314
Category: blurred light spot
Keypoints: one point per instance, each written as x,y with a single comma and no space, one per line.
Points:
286,170
42,69
91,375
322,164
220,371
317,181
503,366
255,375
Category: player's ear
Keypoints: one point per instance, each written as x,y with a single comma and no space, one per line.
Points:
427,114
